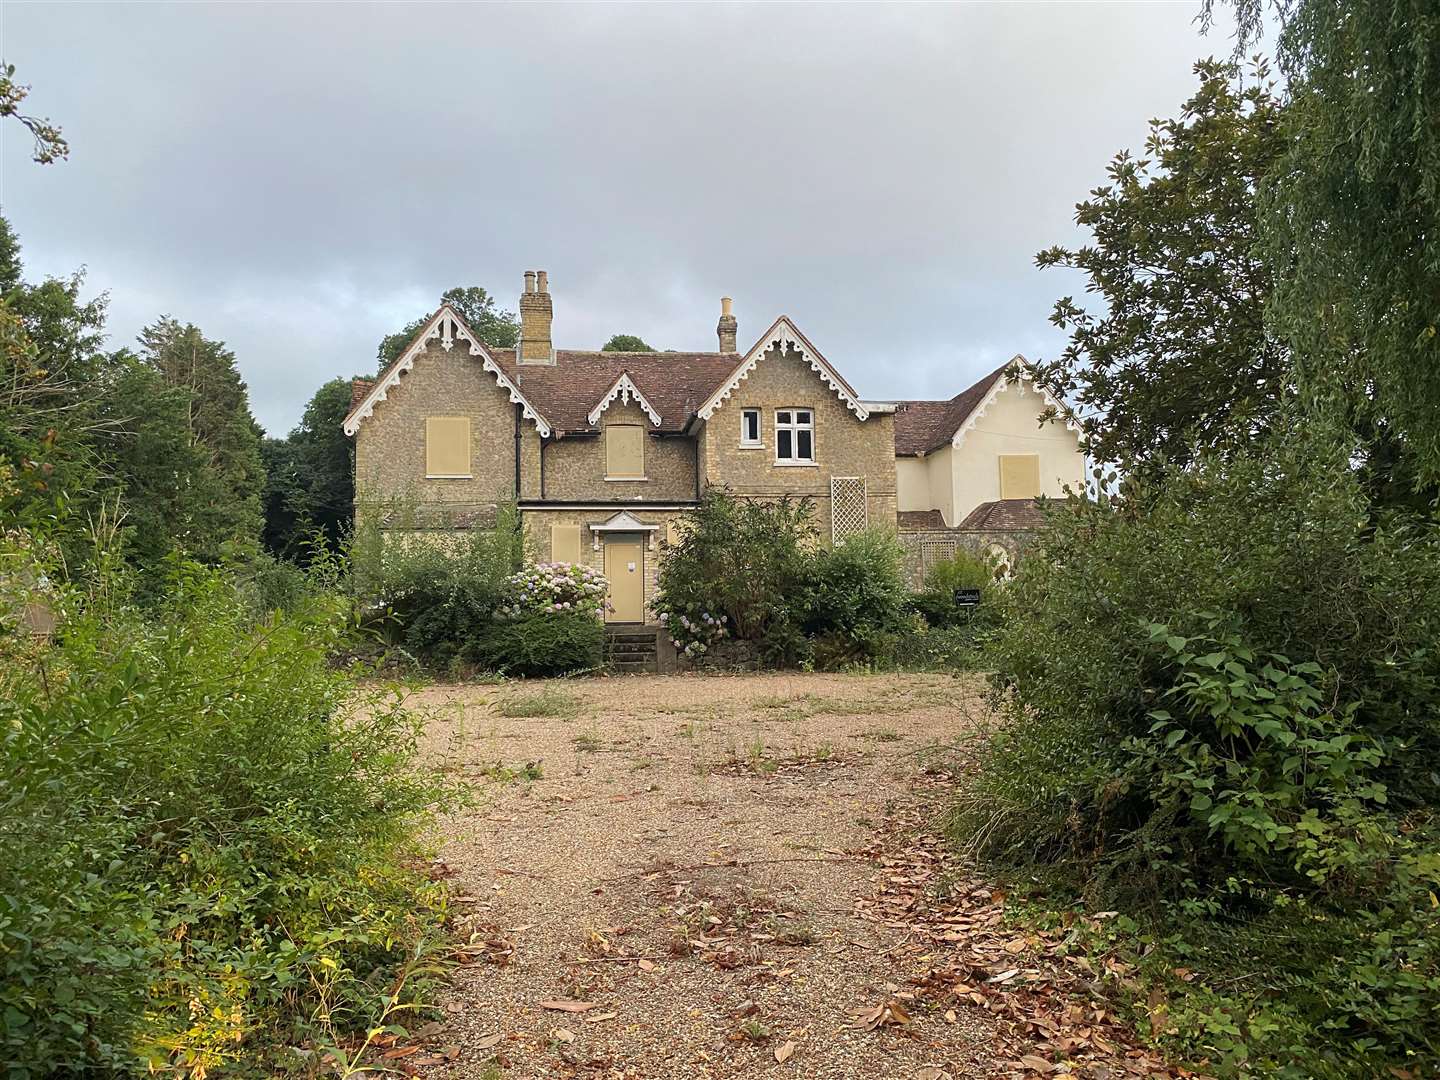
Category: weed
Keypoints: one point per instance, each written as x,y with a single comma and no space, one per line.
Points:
549,702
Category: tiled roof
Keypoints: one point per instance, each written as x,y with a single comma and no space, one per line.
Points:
1005,514
674,383
358,389
923,426
919,520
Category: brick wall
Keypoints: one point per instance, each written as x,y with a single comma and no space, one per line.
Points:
844,446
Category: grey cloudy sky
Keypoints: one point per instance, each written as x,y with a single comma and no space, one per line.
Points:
299,180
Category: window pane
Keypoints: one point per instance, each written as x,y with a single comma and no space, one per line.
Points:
802,416
782,444
802,439
752,427
782,417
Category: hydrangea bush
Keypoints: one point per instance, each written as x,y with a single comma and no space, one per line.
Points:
693,632
552,588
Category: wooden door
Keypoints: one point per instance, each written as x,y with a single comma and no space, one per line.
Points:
625,570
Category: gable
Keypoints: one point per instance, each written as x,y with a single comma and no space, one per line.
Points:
447,327
780,343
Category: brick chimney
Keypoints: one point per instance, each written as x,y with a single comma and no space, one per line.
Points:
727,327
535,316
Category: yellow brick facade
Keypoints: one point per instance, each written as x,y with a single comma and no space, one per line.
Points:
844,445
575,466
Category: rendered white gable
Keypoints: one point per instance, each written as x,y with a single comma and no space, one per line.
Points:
625,390
780,336
447,326
1002,382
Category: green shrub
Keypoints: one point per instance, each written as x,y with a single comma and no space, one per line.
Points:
540,645
1282,548
743,562
203,826
855,596
966,569
1221,697
919,647
443,588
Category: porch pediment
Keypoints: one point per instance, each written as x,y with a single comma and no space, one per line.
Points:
624,521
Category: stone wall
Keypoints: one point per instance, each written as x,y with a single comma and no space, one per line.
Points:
844,445
919,543
575,467
390,445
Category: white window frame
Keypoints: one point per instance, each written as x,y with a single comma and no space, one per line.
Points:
794,426
759,440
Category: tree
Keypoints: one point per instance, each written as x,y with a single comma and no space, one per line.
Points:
626,343
217,420
476,306
1180,356
1352,211
50,146
310,476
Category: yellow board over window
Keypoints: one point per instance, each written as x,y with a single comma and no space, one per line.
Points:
1019,476
625,452
447,446
565,543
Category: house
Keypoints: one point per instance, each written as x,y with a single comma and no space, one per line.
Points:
604,452
970,469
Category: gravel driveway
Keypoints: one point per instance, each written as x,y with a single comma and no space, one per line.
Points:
685,863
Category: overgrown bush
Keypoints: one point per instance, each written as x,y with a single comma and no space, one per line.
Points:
855,595
1222,705
553,588
746,563
204,827
966,569
550,643
443,589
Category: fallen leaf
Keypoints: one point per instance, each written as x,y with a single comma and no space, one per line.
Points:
647,965
1037,1064
564,1035
600,1017
489,1040
568,1006
783,1052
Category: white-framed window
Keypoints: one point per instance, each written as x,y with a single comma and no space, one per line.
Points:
794,437
750,427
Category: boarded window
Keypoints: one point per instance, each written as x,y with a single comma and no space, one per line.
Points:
625,452
1019,476
447,446
672,534
565,543
848,512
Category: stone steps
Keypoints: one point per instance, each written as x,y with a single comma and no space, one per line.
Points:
631,650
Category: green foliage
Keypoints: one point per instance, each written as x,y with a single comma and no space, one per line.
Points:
540,645
224,499
1179,353
855,597
1277,545
443,589
555,588
1220,695
310,477
202,821
1349,208
494,325
549,702
747,562
756,571
626,343
966,569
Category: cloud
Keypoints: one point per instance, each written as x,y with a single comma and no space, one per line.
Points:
299,180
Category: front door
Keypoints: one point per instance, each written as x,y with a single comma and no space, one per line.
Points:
625,570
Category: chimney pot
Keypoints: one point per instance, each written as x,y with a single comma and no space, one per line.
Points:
727,328
535,316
